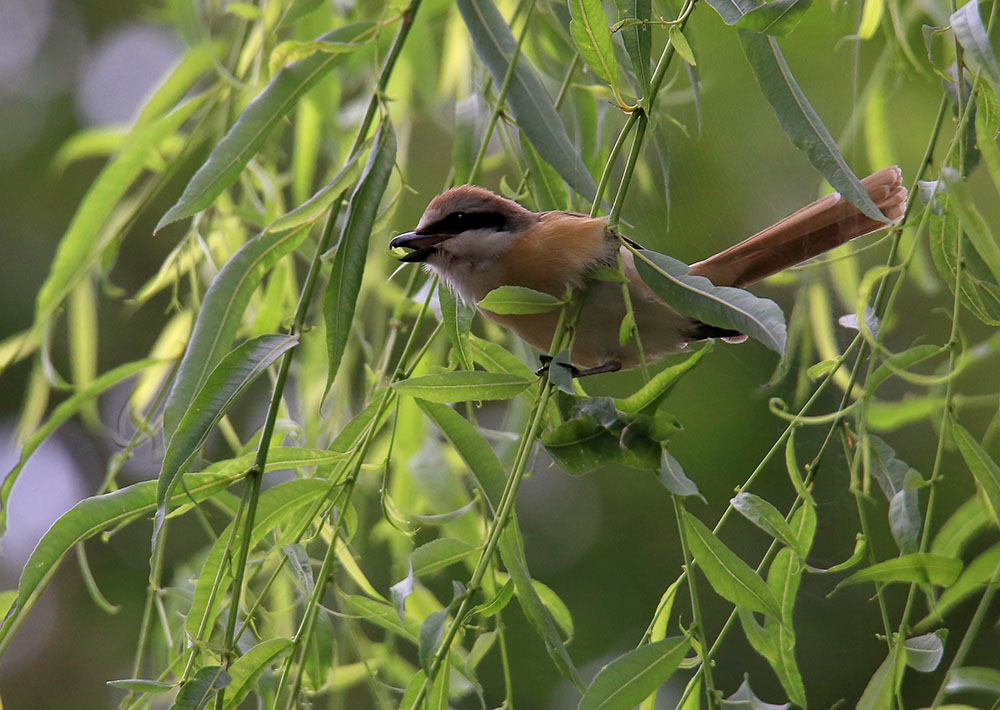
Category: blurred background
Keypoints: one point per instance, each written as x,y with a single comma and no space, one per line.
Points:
607,543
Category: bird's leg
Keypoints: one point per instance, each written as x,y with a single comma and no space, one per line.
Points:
609,366
545,360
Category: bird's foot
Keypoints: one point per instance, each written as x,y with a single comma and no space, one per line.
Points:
574,371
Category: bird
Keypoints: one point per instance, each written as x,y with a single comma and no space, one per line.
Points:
477,241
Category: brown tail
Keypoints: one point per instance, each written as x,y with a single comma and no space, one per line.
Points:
813,230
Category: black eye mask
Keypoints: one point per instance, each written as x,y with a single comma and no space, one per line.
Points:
458,222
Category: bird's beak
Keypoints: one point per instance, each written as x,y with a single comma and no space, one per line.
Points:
422,244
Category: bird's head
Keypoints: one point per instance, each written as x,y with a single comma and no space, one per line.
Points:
465,228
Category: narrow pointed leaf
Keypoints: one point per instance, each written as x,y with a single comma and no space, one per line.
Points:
729,576
778,17
438,554
731,11
801,122
919,568
258,119
463,386
228,380
248,668
518,299
472,447
456,317
340,299
721,306
78,249
529,102
196,693
220,316
975,40
637,38
983,468
766,517
651,394
973,678
671,475
59,416
589,28
629,679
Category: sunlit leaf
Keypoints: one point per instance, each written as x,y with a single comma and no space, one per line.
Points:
983,468
778,17
589,28
918,567
438,554
518,299
256,122
341,297
246,670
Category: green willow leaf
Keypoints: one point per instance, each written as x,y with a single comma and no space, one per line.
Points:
766,517
974,577
783,580
983,468
463,386
778,17
629,679
341,297
973,678
652,393
456,316
518,299
918,567
248,668
78,250
275,507
884,683
730,577
731,11
529,102
547,187
141,685
472,447
637,39
258,119
722,306
511,548
220,316
196,692
60,415
88,518
495,358
227,382
672,476
975,40
801,122
904,509
968,520
196,61
589,29
438,554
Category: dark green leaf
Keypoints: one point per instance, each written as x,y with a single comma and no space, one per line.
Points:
961,526
228,380
904,510
140,685
557,609
457,319
884,683
919,568
463,386
778,17
637,38
258,119
722,306
220,316
731,11
248,668
983,468
518,299
783,580
535,113
729,576
652,393
974,577
472,447
431,632
766,517
196,693
547,186
629,679
512,552
341,297
801,122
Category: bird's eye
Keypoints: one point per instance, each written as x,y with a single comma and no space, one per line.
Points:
460,216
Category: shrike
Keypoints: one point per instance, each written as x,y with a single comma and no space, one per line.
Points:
477,241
